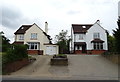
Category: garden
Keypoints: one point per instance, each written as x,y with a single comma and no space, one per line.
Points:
60,59
12,56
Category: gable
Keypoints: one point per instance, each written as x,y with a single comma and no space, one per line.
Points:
24,28
97,28
36,28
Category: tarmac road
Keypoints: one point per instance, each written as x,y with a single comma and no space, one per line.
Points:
81,67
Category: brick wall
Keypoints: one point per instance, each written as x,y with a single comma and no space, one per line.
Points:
90,52
14,66
78,51
97,51
35,52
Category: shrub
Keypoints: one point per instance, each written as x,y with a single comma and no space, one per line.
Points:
16,52
60,56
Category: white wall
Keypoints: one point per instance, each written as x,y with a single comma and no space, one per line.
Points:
77,38
72,41
17,36
89,36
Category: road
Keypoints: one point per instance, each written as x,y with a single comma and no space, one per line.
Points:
81,67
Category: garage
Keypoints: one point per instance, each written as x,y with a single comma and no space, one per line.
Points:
51,49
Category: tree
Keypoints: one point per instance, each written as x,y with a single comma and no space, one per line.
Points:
111,43
63,40
4,42
116,34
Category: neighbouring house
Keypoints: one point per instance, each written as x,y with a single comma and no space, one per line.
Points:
38,41
88,38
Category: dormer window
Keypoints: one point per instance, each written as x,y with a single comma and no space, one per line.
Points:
84,26
22,28
96,35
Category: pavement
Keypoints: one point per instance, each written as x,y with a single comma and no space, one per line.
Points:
81,67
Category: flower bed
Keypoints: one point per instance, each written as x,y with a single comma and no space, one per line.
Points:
60,59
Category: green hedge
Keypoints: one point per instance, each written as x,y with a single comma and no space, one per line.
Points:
16,52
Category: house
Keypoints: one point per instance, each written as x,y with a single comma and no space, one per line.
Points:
88,38
39,42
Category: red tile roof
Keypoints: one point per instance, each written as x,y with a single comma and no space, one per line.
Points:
81,28
22,29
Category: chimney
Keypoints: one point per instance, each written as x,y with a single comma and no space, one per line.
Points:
46,27
98,21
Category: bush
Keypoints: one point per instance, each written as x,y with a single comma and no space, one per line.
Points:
16,52
60,56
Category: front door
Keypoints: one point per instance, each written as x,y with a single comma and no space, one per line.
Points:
83,48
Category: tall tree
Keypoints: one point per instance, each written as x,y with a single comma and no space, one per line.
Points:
4,42
111,42
116,34
62,39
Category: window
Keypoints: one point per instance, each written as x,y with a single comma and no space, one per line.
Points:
96,35
78,47
81,37
21,37
98,46
33,46
33,35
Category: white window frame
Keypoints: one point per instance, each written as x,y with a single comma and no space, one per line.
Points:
98,46
32,46
34,36
96,35
21,37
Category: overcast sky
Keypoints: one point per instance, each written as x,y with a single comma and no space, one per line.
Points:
59,14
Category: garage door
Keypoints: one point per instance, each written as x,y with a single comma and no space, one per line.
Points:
51,50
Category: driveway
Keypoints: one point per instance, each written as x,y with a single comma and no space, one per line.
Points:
81,67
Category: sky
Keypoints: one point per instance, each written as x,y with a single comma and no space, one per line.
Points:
59,14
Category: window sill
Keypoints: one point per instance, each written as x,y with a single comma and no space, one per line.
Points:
98,49
32,49
33,39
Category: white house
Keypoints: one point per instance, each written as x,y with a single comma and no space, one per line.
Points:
88,38
39,42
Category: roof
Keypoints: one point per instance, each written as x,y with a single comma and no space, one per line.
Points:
97,40
79,43
81,28
22,29
18,42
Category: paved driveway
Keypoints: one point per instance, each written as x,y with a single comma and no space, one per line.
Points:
81,67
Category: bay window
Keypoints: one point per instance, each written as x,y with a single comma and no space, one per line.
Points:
97,46
33,45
